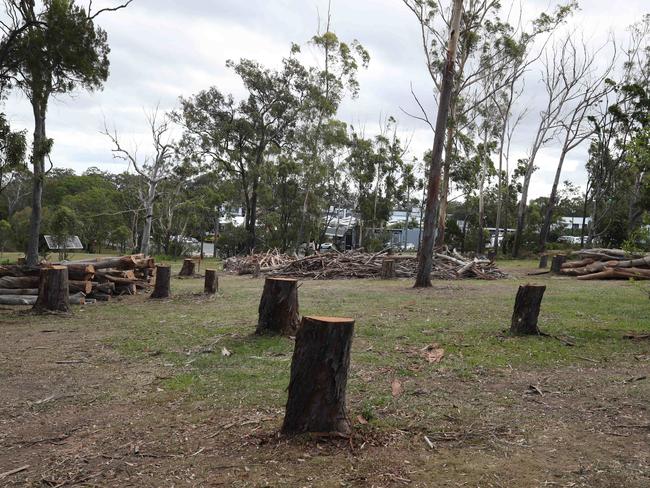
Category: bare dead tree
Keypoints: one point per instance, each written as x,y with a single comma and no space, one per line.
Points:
586,87
153,168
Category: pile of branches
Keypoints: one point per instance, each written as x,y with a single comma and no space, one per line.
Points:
89,280
265,262
602,264
356,264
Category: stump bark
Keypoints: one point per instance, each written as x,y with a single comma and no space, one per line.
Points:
162,285
211,285
543,261
278,310
319,374
556,264
188,268
388,269
53,290
526,313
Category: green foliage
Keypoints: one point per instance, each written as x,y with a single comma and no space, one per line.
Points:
63,224
5,234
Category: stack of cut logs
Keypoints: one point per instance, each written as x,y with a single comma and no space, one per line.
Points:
355,264
602,264
89,280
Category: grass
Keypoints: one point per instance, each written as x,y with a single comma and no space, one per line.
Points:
173,351
393,323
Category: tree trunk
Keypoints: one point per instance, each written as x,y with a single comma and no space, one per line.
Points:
552,202
425,257
146,230
444,197
278,310
526,313
521,210
388,269
543,261
53,290
319,374
39,152
163,280
188,268
211,285
556,264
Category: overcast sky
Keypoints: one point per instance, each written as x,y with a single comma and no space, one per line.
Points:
163,49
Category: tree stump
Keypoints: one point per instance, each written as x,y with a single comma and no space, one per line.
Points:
319,375
526,313
556,264
163,279
388,269
543,261
188,268
211,285
53,290
278,311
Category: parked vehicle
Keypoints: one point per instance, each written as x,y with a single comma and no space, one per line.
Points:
327,247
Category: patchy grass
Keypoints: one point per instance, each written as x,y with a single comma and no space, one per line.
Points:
477,408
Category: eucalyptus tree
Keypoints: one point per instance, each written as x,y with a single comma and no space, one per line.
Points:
585,85
242,138
61,49
425,256
154,168
488,48
333,77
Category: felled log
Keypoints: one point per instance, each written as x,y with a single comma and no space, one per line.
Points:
14,270
162,284
19,291
319,374
101,297
211,284
53,290
80,271
278,310
526,312
145,263
18,299
188,268
122,262
84,287
126,289
108,287
19,282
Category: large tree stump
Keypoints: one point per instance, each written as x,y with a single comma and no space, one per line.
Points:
556,264
526,313
543,261
188,268
319,375
163,279
211,285
278,310
53,290
388,269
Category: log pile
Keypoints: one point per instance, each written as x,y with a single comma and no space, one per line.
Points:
603,264
88,280
355,264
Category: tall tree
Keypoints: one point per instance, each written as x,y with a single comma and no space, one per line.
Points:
62,49
585,87
243,138
425,257
155,168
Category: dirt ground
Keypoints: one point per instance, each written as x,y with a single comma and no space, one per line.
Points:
75,411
